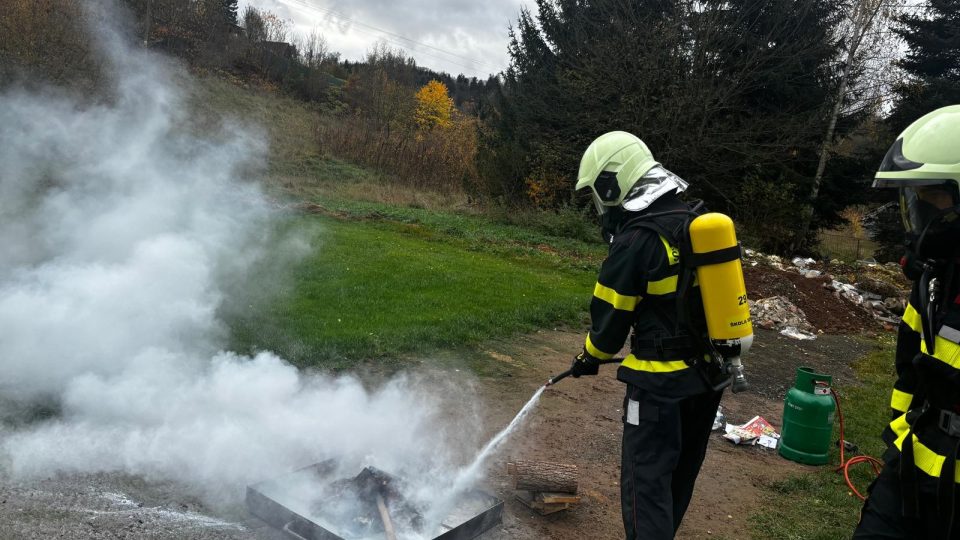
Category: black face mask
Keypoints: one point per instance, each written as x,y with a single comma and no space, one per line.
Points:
610,223
940,239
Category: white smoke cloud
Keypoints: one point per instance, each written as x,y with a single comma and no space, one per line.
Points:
121,234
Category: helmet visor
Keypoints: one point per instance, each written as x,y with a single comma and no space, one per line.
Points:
656,183
922,204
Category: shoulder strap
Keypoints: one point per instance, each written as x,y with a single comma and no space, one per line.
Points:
688,272
677,237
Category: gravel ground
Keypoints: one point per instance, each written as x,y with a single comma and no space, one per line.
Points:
578,422
115,506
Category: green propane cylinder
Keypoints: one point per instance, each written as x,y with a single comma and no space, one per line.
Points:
808,419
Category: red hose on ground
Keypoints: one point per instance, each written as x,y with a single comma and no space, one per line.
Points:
845,464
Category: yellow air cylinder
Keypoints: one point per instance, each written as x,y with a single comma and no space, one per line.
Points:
721,285
724,293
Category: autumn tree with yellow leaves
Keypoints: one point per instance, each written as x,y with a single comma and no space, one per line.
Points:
434,106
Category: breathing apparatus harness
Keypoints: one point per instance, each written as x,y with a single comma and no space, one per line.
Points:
691,340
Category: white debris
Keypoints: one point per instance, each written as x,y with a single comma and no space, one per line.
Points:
768,441
847,291
802,263
777,313
752,432
794,333
720,421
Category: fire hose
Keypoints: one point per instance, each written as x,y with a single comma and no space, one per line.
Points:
728,370
557,378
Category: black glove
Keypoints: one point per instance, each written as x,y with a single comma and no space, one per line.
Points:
584,364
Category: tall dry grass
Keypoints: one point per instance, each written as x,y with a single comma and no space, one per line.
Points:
440,159
46,40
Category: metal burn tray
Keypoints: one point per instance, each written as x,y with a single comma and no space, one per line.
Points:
290,503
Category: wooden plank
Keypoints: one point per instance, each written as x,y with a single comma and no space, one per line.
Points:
530,500
557,498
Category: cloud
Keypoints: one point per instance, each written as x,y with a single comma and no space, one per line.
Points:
462,36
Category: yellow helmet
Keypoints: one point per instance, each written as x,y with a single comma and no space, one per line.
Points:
612,168
924,163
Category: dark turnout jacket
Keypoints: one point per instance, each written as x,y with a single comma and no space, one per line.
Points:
637,288
927,391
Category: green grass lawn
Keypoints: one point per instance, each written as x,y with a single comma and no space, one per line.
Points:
820,506
375,289
393,272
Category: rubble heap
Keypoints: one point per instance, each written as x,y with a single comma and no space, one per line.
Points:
876,292
777,312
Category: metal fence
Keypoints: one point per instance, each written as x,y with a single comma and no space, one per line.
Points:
846,247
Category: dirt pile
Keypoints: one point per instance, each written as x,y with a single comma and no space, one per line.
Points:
836,297
825,311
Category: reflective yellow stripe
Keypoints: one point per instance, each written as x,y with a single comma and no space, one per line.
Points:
595,352
912,318
654,366
663,286
924,458
947,352
617,300
900,401
673,254
900,426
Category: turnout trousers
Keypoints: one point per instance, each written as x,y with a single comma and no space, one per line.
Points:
882,515
664,443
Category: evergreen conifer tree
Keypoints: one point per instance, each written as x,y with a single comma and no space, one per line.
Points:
722,92
932,62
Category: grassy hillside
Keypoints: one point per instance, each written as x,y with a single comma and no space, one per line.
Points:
391,271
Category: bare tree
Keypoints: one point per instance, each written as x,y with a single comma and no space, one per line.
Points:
314,49
276,29
254,25
859,33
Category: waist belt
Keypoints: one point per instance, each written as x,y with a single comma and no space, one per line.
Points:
663,348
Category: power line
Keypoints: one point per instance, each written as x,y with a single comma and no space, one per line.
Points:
474,64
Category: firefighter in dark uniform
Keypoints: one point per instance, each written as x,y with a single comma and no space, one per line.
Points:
915,495
670,406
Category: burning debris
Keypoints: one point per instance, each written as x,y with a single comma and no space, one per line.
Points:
369,504
312,504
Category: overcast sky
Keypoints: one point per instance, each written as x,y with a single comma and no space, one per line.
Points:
455,36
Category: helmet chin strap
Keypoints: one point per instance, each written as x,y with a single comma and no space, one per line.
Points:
610,223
